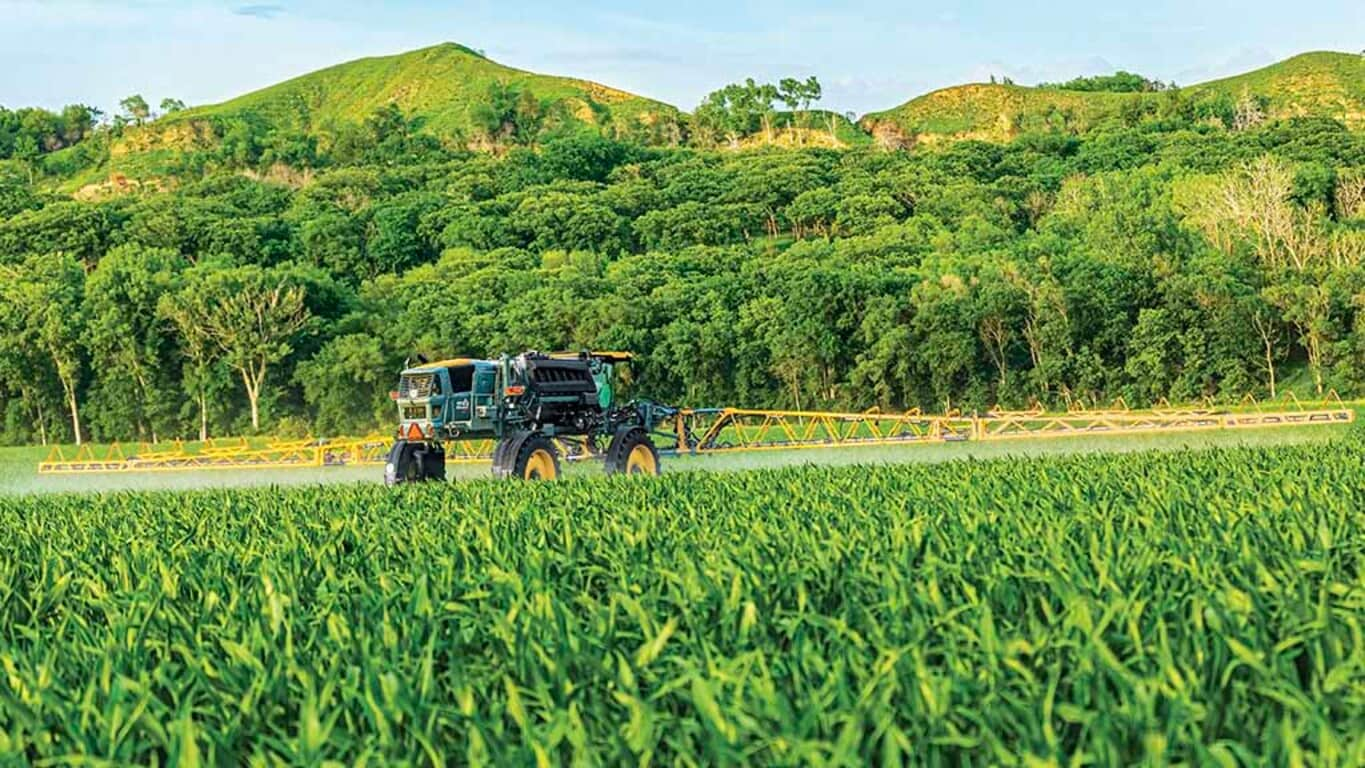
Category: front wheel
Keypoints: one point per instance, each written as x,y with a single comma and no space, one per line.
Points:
632,453
414,463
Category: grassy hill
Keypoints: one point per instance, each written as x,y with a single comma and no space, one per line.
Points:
440,88
988,113
1324,84
445,91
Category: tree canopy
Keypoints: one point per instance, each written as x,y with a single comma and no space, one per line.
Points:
285,277
1119,82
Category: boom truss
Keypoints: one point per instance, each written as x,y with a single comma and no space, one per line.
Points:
729,430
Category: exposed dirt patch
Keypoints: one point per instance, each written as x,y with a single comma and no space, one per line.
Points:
182,136
118,185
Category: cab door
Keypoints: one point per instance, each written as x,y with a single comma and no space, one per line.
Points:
461,386
485,385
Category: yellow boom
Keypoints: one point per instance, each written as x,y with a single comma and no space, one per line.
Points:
726,430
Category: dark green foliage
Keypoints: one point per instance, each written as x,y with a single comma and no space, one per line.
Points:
29,132
16,193
1055,268
1119,82
582,156
740,110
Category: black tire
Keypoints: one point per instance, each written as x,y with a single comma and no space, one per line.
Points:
632,453
414,463
501,451
530,456
433,460
402,465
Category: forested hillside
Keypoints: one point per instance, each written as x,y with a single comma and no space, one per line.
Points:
274,290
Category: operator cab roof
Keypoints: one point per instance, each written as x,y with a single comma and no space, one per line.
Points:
452,363
606,357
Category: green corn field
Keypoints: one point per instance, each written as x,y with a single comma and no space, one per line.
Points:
1205,607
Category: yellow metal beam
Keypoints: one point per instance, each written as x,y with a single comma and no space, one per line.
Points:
731,430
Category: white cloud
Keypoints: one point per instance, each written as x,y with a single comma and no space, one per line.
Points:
263,11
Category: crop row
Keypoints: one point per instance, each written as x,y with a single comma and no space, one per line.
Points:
1199,606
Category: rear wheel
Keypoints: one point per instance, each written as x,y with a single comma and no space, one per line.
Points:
500,455
526,456
632,453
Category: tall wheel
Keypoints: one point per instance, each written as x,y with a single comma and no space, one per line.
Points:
500,471
414,463
434,463
632,453
402,465
526,456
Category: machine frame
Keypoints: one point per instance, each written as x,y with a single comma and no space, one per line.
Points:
537,407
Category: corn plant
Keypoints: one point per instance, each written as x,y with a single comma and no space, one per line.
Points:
1199,607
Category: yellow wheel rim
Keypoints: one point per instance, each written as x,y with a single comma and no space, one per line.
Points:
540,465
641,461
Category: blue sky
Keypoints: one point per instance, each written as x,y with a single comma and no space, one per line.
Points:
870,56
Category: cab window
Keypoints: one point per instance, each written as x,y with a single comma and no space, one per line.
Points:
483,382
462,378
417,385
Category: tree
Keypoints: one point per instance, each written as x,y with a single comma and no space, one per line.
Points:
1349,194
1000,308
1254,204
582,156
335,241
1119,82
738,110
135,109
1248,112
16,194
798,95
27,152
255,316
170,106
791,93
1047,326
188,308
945,335
1269,330
762,96
886,371
395,241
1154,358
813,211
127,337
558,220
247,314
78,122
724,113
24,368
811,92
347,382
44,297
1306,303
508,113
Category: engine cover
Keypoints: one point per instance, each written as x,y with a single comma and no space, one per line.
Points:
556,377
